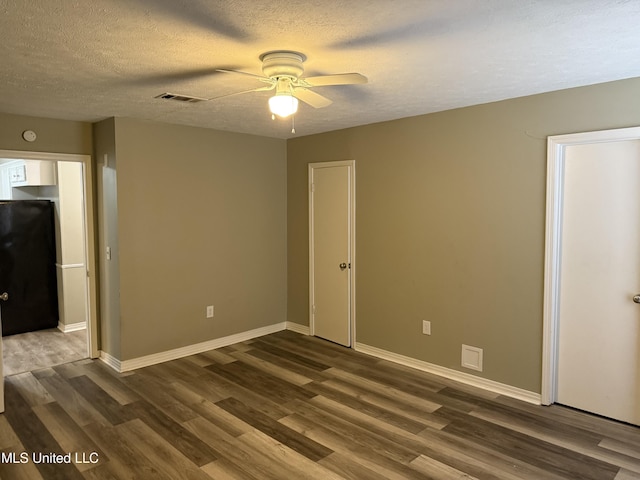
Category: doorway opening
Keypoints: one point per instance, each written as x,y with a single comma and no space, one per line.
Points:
70,190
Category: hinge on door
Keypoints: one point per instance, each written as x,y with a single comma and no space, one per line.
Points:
313,309
312,187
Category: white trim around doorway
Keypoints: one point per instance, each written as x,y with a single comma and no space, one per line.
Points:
556,150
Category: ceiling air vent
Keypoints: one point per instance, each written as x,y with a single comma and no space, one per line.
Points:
180,98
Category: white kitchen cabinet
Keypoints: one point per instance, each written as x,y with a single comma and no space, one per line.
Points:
27,173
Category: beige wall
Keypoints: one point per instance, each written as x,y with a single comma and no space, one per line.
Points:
193,217
450,225
201,220
59,136
450,211
71,243
71,247
107,215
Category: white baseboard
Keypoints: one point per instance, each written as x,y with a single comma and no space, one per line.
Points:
110,360
147,360
479,382
497,387
296,327
72,327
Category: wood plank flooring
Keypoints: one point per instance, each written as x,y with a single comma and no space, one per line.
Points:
287,406
43,348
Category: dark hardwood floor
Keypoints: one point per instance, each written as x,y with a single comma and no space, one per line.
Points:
287,406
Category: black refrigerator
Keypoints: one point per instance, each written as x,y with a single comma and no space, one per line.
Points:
27,266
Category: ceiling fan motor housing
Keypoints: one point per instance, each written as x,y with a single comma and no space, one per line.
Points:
282,64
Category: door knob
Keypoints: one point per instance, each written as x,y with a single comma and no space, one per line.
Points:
4,296
636,298
343,266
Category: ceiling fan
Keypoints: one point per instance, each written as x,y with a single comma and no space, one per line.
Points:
283,71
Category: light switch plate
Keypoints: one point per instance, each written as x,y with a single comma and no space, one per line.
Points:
426,327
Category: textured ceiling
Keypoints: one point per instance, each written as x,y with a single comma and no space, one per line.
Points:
92,59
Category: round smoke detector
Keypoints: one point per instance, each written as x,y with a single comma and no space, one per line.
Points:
282,63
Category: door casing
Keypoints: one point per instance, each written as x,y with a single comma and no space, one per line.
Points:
352,244
556,151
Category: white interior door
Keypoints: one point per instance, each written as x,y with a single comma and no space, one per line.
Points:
330,213
599,323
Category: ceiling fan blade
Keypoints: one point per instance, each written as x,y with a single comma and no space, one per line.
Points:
207,16
312,98
261,89
240,72
338,79
170,77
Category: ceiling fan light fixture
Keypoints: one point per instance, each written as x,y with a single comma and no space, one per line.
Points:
283,105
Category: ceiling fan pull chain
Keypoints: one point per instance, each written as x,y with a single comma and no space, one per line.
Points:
293,124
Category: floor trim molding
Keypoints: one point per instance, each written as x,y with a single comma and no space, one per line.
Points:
110,360
473,380
147,360
71,327
296,327
160,357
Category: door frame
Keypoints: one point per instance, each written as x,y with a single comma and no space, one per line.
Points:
556,152
90,234
352,244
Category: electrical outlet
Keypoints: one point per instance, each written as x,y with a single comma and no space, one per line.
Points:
210,311
426,327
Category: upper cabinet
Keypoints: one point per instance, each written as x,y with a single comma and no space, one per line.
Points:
27,173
